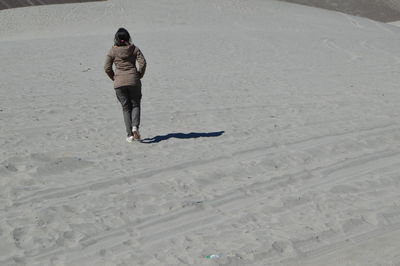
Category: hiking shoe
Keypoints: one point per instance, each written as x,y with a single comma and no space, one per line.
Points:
136,135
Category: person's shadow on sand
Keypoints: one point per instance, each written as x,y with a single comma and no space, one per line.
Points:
191,135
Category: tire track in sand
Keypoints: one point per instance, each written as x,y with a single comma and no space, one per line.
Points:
128,180
156,228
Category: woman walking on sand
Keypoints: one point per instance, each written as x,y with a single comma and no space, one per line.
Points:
128,87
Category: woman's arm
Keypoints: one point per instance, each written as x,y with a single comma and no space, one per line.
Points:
142,63
108,65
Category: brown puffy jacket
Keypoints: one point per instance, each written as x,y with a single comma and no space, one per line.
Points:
125,58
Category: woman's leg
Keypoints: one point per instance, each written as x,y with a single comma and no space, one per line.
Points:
123,97
135,99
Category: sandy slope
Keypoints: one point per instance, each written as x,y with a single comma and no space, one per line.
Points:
380,10
294,157
395,23
4,4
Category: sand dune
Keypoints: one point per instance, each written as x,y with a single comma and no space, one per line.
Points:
4,4
380,10
272,137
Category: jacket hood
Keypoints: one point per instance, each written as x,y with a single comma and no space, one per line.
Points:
124,52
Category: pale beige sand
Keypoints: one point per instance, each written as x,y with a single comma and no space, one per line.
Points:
305,172
395,23
380,10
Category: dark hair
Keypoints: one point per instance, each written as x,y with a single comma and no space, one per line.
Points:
122,37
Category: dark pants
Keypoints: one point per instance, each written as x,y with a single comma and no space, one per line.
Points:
129,97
